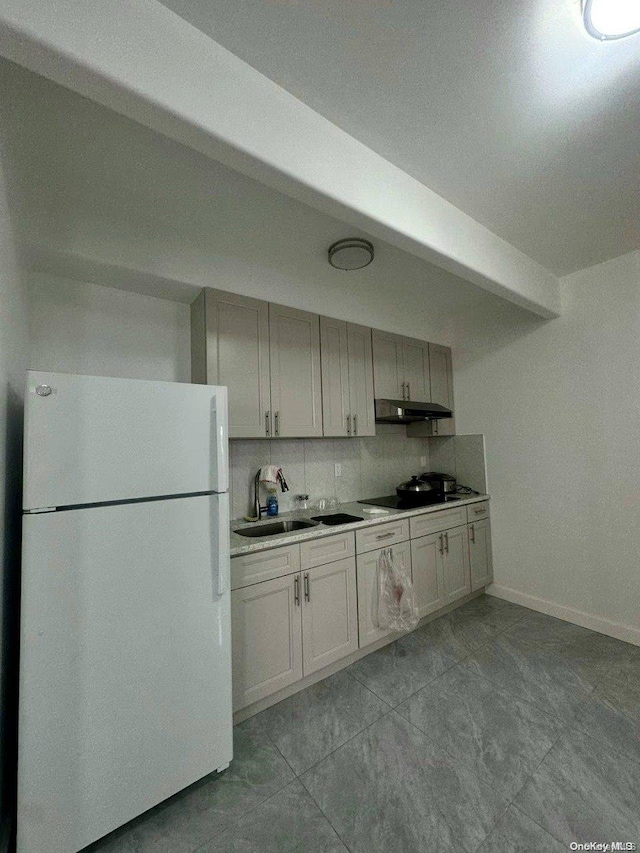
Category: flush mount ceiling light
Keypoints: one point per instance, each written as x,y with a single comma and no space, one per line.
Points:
611,19
351,254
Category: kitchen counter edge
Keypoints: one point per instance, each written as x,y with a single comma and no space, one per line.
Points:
243,545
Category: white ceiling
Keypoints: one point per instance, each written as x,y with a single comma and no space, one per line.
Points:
504,107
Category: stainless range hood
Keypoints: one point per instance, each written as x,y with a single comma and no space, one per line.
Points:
409,412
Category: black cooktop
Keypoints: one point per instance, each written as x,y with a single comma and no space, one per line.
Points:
394,502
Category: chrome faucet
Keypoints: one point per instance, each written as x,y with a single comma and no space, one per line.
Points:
257,508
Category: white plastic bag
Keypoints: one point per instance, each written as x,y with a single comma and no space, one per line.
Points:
396,603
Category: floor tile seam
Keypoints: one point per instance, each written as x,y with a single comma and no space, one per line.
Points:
366,686
537,823
279,751
515,695
528,772
242,817
343,744
576,728
422,687
246,811
499,688
526,780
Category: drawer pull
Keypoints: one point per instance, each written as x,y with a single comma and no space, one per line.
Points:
479,511
385,535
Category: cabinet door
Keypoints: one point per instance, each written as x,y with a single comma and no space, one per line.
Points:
335,376
367,572
415,357
388,371
237,355
296,398
456,581
329,614
266,637
426,570
361,380
480,554
441,374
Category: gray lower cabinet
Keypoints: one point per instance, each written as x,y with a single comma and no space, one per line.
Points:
266,639
480,553
440,564
426,565
369,629
291,626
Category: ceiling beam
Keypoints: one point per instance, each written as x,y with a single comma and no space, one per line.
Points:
140,59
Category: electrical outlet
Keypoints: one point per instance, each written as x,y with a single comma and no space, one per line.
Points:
338,468
423,460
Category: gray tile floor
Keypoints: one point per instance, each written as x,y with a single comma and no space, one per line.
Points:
492,729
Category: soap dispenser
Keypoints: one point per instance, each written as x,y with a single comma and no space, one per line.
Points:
272,503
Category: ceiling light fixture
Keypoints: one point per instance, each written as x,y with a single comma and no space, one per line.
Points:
351,254
611,19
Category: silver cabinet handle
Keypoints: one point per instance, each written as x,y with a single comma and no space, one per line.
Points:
473,533
348,424
479,511
277,422
442,543
355,424
446,542
296,589
408,391
403,394
385,535
435,426
307,589
267,417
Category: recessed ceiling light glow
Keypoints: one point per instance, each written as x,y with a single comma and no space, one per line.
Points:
611,19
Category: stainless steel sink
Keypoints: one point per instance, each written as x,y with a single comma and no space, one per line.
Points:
276,528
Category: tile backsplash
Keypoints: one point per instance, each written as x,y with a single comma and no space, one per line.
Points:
369,466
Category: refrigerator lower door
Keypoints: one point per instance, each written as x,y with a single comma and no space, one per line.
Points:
92,439
125,672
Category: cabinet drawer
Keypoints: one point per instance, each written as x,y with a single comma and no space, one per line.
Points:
317,552
247,569
434,522
476,512
382,535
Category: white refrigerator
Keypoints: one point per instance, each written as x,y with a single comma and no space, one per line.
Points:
125,660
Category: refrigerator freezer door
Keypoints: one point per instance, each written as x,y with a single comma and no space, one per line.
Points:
91,439
125,671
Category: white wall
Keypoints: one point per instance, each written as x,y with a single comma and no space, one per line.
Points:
77,327
559,404
13,336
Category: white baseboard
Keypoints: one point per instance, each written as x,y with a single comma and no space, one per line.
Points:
586,620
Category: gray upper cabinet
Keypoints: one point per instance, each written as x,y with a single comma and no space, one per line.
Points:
361,380
294,344
400,367
230,346
441,371
347,378
388,370
415,358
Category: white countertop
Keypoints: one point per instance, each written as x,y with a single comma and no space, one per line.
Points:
246,545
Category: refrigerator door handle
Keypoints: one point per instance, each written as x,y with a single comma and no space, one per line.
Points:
219,442
220,544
